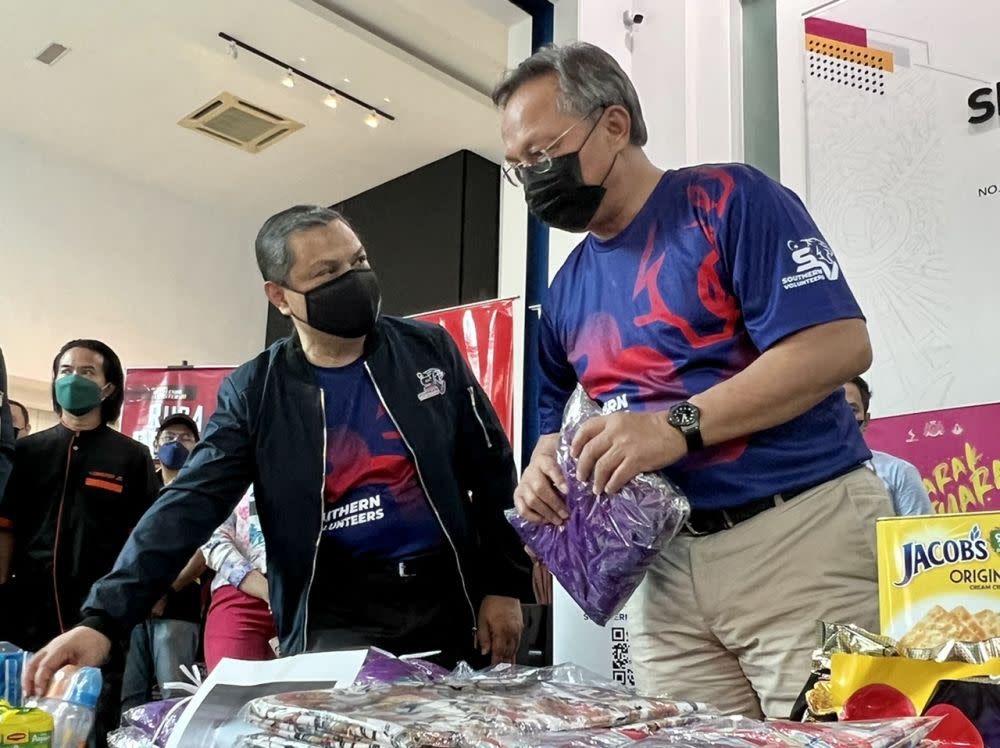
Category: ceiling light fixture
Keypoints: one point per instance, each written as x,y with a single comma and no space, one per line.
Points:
333,94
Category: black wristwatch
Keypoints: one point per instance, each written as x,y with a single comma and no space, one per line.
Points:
686,418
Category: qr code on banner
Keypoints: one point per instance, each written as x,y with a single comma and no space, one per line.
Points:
621,660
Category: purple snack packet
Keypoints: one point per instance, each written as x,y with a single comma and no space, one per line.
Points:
601,553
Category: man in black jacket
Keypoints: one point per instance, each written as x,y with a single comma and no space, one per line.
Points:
76,492
380,470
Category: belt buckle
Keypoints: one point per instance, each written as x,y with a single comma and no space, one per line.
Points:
403,574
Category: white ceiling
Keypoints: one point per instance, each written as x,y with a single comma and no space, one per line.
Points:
136,68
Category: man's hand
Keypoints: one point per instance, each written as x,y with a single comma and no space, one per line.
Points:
80,646
616,448
255,584
537,496
160,608
500,627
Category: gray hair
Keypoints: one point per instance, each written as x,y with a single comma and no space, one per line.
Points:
274,258
589,79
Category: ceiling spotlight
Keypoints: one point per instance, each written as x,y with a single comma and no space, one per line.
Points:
233,50
347,80
288,81
330,101
387,100
372,120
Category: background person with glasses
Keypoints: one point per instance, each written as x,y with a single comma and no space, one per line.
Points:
171,636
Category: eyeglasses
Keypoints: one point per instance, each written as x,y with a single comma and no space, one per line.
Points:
167,437
516,173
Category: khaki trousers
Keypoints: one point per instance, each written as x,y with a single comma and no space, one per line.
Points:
729,619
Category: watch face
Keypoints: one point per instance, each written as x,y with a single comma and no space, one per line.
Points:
684,415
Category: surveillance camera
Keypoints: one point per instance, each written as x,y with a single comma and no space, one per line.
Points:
632,19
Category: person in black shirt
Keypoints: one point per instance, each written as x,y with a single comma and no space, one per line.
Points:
170,637
75,494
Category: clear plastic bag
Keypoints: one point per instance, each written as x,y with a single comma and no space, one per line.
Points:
457,711
738,732
382,667
601,553
149,725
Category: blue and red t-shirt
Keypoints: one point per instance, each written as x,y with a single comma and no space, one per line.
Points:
719,265
376,508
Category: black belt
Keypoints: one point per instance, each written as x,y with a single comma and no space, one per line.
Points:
419,566
711,521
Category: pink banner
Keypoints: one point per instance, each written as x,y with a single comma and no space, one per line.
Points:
957,452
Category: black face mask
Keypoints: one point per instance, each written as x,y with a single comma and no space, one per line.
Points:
560,197
346,306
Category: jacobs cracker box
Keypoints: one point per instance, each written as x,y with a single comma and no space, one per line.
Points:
939,578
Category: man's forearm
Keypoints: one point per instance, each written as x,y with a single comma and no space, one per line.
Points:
6,554
785,382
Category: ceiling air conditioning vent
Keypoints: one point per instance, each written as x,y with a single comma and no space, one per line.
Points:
230,119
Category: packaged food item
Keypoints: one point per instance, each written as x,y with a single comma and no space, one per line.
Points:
457,711
738,732
970,710
939,582
23,726
601,553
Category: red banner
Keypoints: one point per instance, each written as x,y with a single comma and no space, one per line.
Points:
153,394
957,452
484,333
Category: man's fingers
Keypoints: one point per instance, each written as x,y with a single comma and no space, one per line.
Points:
586,433
550,468
505,644
604,469
41,668
622,475
541,498
590,455
485,636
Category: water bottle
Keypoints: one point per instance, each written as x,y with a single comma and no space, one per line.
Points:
11,666
72,702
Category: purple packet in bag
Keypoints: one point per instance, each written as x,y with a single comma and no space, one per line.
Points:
601,553
381,667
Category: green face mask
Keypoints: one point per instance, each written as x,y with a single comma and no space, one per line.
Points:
77,395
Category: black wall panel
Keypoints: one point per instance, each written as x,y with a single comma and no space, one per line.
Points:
432,236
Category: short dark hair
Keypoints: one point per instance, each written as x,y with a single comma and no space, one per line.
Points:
589,79
24,411
111,407
865,390
274,258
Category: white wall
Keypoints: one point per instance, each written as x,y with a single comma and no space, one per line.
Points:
685,63
84,253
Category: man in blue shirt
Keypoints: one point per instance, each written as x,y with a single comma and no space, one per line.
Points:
712,321
902,479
